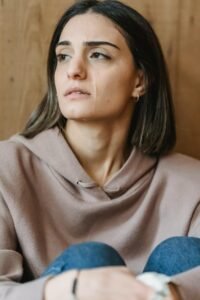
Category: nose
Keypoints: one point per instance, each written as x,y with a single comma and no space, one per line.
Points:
77,69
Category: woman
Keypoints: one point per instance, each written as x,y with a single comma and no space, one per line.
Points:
93,172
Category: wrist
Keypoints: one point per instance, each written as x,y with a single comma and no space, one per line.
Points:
158,282
60,286
174,291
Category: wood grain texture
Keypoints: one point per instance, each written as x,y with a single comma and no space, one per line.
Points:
25,31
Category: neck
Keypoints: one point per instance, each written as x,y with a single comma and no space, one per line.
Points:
99,147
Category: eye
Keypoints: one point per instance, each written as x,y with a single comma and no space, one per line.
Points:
99,56
62,57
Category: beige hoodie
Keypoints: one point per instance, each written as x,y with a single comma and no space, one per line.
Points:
48,201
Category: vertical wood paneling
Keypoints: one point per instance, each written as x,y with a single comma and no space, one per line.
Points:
188,88
164,16
25,31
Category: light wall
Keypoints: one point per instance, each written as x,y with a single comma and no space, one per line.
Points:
25,31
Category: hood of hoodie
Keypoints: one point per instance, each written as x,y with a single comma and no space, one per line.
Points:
52,148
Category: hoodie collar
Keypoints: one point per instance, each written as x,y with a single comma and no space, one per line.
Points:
51,147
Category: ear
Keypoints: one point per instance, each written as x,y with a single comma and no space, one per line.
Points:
140,85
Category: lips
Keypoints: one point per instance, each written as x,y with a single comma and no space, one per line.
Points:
75,91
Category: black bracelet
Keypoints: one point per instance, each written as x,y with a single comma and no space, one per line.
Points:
73,295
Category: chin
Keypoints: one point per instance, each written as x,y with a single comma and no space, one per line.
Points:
83,115
78,117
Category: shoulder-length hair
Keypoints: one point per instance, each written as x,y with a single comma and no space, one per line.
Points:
152,127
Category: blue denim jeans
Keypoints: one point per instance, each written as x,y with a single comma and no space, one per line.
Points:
172,256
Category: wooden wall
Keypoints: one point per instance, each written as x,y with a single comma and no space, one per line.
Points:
25,31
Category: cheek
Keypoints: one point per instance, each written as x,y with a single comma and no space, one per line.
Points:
118,79
118,86
58,79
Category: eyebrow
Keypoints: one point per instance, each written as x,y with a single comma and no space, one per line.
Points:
89,43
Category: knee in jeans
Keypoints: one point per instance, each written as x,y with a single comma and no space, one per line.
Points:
174,255
85,255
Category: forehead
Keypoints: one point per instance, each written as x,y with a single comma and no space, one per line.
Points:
91,26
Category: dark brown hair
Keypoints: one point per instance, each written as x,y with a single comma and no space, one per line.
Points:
152,128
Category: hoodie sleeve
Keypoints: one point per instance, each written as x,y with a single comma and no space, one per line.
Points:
188,282
11,264
32,290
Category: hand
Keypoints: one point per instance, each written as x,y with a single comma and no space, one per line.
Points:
110,283
58,287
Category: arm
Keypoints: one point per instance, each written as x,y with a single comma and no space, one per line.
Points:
174,292
11,264
188,282
101,283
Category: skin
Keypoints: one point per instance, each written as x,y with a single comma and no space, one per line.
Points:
99,119
110,283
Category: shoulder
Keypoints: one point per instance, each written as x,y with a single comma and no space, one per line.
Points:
10,148
13,155
180,167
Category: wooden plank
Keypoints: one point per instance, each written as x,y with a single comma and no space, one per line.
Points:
188,85
25,31
164,18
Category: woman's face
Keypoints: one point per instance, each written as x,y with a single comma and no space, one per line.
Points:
95,78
